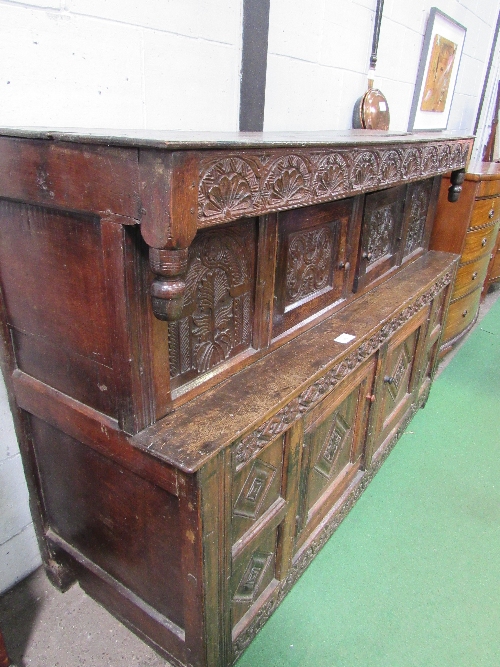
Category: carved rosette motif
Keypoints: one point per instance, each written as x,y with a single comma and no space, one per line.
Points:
308,263
331,175
229,189
287,182
258,182
251,444
216,319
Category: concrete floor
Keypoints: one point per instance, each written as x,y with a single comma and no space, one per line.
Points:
45,628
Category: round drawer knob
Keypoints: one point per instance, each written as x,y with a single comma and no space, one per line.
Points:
484,242
345,265
464,314
371,398
474,275
367,255
388,379
491,213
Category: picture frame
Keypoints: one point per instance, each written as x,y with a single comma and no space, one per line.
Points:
437,73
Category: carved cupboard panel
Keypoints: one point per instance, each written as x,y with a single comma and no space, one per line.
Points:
333,447
398,376
217,319
315,254
380,248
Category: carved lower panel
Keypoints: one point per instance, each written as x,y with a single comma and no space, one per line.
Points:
216,320
251,444
328,526
254,182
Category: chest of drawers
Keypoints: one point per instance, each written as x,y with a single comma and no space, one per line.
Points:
211,344
469,228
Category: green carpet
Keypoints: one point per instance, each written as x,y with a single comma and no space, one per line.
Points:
411,578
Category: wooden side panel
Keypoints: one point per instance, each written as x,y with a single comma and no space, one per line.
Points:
53,277
452,219
98,179
116,519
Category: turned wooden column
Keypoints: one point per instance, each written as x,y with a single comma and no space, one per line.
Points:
169,195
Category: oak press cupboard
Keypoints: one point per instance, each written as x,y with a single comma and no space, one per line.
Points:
211,342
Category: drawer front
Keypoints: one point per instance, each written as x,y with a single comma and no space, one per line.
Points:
461,313
470,276
478,242
485,211
489,188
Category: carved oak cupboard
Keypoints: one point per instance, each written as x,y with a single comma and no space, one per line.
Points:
211,343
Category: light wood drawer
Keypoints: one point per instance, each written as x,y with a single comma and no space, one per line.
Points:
495,269
461,313
478,242
489,188
485,211
470,276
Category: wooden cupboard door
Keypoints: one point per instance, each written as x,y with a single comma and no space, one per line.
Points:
333,448
418,216
399,373
380,248
313,268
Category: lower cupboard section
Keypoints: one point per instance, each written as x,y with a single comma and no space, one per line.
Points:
196,561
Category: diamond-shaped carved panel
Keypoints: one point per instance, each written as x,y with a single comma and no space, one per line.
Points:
249,583
334,442
399,372
254,489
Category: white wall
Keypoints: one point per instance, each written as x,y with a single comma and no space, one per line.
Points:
319,53
175,64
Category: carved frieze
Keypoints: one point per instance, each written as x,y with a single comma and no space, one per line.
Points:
252,443
255,182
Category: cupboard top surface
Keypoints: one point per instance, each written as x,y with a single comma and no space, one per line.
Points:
180,140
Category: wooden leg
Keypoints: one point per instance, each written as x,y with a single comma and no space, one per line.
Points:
4,658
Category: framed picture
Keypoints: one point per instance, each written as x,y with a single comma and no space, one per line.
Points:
437,73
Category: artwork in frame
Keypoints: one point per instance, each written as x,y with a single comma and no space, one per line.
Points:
437,73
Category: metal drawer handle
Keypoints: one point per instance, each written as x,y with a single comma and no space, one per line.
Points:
371,398
367,255
484,242
388,379
345,265
464,314
474,275
491,213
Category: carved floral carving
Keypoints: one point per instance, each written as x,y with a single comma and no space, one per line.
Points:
261,181
308,262
216,319
380,225
419,205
